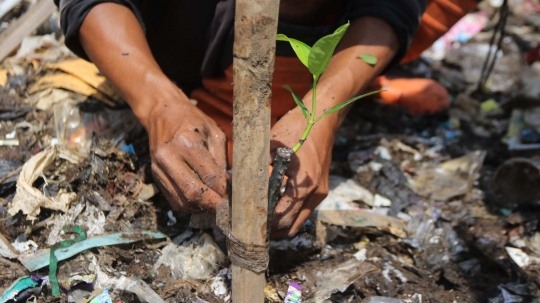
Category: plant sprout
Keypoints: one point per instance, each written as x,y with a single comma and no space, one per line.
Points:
316,59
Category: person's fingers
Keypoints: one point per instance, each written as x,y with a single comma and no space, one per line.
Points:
307,209
173,195
185,179
289,205
217,147
198,157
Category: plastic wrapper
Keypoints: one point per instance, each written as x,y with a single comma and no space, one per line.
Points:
381,300
195,259
75,127
437,244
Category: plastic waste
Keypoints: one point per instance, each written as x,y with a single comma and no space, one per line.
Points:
343,193
23,288
75,126
41,259
103,297
7,167
140,288
197,258
30,199
462,31
294,293
449,179
381,300
437,244
512,293
337,278
506,72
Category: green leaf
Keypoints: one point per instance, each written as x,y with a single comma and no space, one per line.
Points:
369,59
322,51
301,49
298,101
342,105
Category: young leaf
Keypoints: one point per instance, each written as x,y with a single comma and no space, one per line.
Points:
298,101
369,59
322,51
342,105
301,49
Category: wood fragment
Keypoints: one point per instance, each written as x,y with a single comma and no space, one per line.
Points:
12,37
11,174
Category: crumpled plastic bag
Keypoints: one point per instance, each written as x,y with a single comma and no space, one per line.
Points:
195,259
29,199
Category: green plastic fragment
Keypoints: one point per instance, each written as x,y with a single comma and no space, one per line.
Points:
17,287
53,261
41,259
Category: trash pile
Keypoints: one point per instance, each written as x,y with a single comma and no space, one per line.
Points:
443,208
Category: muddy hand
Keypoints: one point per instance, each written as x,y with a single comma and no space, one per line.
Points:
308,171
188,153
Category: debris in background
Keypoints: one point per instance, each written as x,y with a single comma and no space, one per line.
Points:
89,73
103,297
41,258
471,57
437,245
512,293
53,261
138,287
7,5
75,127
449,179
34,17
342,192
47,98
337,278
3,76
461,32
71,83
381,300
16,290
362,218
220,285
294,293
521,258
6,250
29,199
9,171
520,135
195,259
516,181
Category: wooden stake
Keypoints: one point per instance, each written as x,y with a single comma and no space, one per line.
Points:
254,49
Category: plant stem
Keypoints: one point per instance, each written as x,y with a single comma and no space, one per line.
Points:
283,157
314,100
303,137
311,121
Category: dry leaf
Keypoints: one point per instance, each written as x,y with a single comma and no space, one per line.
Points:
89,73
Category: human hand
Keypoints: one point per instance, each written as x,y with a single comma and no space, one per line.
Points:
188,152
308,171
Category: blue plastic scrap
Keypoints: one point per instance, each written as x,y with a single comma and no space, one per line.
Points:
20,287
41,258
103,297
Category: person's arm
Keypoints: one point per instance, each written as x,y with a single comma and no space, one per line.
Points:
188,149
347,76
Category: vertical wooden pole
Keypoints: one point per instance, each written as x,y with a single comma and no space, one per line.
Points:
254,49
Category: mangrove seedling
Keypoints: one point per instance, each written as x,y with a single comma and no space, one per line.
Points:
316,59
